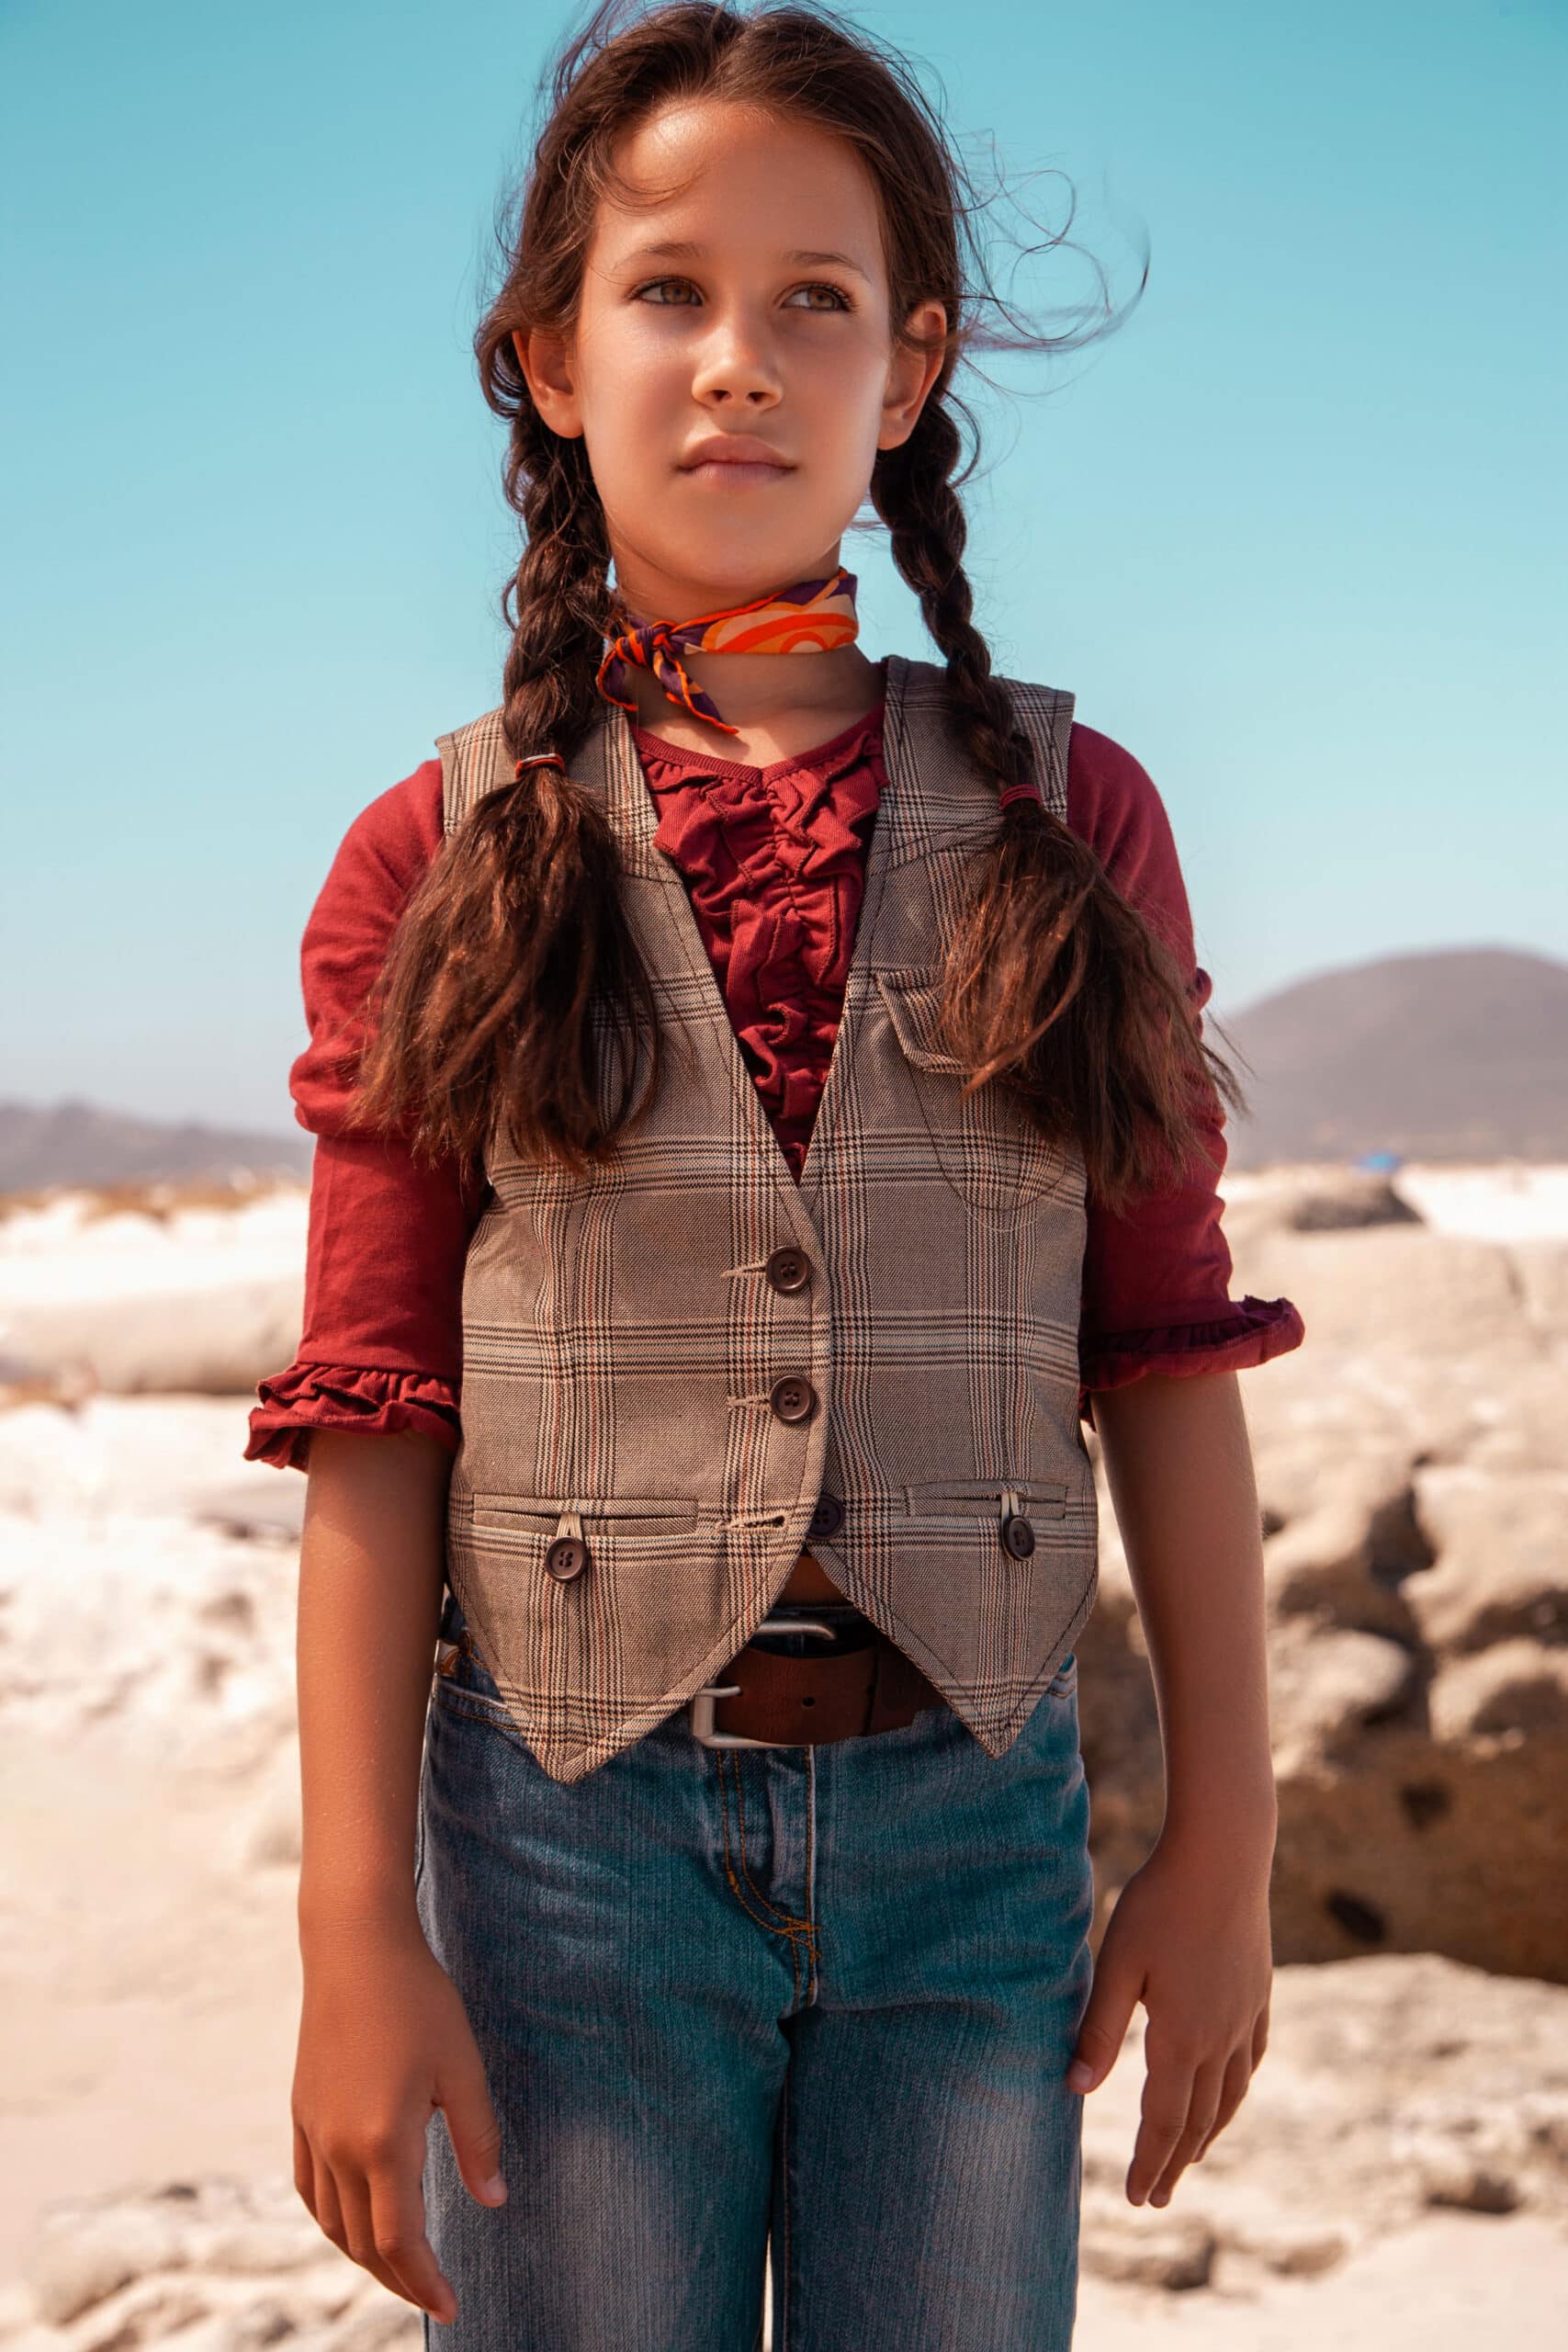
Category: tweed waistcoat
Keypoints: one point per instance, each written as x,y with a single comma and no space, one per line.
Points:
678,1358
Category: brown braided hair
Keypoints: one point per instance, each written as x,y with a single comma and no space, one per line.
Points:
485,1011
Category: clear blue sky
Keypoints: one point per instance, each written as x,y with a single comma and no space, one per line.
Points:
1294,536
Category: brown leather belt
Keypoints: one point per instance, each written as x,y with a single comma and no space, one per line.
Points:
769,1699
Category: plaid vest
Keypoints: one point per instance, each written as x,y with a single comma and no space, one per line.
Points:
682,1368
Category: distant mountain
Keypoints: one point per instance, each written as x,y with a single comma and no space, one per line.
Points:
1457,1055
73,1143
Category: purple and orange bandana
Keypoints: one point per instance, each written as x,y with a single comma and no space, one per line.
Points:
812,616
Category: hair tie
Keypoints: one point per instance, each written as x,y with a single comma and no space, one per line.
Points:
539,759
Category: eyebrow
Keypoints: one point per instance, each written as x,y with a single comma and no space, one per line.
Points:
683,249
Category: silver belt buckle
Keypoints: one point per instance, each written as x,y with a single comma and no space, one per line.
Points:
700,1707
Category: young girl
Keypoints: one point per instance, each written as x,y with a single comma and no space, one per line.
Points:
785,1105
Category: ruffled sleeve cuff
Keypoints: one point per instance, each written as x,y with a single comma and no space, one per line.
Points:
1243,1332
333,1397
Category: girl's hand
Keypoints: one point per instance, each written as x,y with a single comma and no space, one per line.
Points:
384,2040
1189,1938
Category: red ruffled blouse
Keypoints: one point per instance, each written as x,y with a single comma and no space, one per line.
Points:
774,860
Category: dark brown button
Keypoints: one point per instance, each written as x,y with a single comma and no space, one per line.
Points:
828,1517
793,1399
1018,1535
789,1268
567,1558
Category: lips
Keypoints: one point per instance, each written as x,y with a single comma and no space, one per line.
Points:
741,450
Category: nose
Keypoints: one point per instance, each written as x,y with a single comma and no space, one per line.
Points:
734,369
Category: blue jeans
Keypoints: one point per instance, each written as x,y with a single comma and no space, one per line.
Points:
828,1994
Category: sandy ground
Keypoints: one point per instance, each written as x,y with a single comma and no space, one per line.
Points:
152,1991
1467,2283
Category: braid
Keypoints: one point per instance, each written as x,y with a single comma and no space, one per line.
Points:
914,494
516,941
1054,986
559,594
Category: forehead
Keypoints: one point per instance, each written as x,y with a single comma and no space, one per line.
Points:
736,180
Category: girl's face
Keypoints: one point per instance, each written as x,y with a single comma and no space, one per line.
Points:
745,318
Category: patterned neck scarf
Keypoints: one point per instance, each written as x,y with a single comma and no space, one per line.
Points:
812,616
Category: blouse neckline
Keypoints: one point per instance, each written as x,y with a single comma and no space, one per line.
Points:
712,763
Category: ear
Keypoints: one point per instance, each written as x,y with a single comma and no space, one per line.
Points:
545,357
911,374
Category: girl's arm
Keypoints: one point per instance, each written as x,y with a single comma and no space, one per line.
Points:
1190,1935
380,1348
369,1410
1179,1464
384,2039
1160,1346
1156,1277
370,1587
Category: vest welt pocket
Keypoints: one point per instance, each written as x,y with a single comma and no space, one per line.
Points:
527,1515
983,1498
986,1144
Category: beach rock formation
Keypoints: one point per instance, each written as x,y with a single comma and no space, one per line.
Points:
1413,1476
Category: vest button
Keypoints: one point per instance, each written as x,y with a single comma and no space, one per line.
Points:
828,1517
567,1558
789,1268
1018,1535
793,1399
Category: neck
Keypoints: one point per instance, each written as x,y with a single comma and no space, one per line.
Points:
761,691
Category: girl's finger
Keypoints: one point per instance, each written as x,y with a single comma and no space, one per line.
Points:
1238,2074
325,2205
397,2202
1168,2098
1202,2110
304,2171
1117,1988
353,2193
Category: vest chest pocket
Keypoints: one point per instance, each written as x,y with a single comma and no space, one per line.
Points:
987,1146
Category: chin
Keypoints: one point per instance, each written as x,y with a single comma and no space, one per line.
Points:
744,558
734,575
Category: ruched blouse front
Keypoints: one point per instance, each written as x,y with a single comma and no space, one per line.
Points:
773,859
